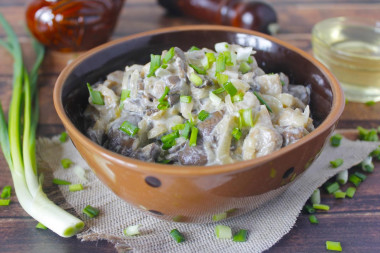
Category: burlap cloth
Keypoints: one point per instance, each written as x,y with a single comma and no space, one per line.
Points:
266,225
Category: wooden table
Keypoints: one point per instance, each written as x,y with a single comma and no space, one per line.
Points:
353,222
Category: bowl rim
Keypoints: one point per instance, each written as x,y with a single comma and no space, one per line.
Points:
163,169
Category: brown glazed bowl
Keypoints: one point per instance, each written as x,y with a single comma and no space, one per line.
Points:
196,193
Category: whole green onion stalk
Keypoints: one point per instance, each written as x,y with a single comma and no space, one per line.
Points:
18,143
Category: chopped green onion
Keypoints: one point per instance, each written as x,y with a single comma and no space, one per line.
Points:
75,187
203,115
63,137
91,211
241,236
170,137
230,88
313,219
376,153
316,197
332,187
282,83
195,79
199,70
163,96
132,230
360,175
227,57
129,128
193,137
5,202
210,59
60,182
169,144
350,192
223,232
321,207
177,236
370,103
220,63
262,101
355,180
219,216
178,127
236,133
194,48
6,192
367,164
155,62
163,105
309,209
367,135
342,177
186,131
168,56
246,118
221,78
334,246
66,163
164,66
244,67
96,96
336,163
218,91
335,140
339,194
238,97
185,99
166,161
124,95
41,226
250,59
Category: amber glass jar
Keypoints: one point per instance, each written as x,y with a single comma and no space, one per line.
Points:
72,25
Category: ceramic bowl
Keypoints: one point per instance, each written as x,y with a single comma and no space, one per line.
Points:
196,193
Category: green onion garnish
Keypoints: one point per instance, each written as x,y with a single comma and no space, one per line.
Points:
236,133
63,137
177,236
164,66
313,219
195,79
91,211
221,78
336,163
163,96
60,182
96,96
41,226
282,83
321,207
199,70
228,59
335,140
220,63
218,91
370,103
360,175
376,153
129,128
6,192
203,115
5,202
342,177
339,194
250,59
367,164
168,56
163,105
166,161
223,232
185,99
350,192
244,67
316,197
210,59
132,230
124,95
334,246
331,188
262,101
246,118
355,180
170,137
155,63
194,48
178,127
187,129
367,135
75,187
193,137
230,88
169,144
219,216
66,163
238,97
241,236
309,209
